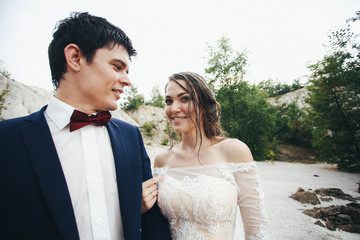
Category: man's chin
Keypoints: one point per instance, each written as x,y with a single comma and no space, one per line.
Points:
110,107
113,108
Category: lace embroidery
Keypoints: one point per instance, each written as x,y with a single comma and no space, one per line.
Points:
240,167
187,182
201,202
161,171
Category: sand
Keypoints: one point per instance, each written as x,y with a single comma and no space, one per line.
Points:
281,179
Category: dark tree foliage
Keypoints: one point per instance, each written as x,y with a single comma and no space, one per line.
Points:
335,100
245,114
274,89
293,125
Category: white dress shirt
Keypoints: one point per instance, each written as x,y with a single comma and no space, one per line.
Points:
88,164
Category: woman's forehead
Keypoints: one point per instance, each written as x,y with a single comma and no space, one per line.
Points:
177,85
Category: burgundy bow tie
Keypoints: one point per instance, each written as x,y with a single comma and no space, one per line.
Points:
79,119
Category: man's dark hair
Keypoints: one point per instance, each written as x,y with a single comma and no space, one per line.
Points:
89,33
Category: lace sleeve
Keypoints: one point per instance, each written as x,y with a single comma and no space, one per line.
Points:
160,171
250,201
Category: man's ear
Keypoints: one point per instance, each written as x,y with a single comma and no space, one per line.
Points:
73,55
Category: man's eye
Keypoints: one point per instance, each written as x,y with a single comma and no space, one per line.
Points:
118,68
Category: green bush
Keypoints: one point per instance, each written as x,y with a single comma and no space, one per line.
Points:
148,129
133,99
2,106
165,142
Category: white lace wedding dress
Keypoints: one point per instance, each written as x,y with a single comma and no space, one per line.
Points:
201,202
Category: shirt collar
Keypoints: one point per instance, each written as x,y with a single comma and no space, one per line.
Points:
59,112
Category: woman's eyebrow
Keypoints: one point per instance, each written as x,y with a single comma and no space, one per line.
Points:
179,95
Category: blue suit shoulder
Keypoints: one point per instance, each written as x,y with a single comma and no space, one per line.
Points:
15,123
125,126
122,123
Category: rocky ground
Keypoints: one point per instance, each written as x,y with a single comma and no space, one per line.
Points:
342,217
280,180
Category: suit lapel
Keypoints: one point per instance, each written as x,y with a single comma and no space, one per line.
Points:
123,171
47,167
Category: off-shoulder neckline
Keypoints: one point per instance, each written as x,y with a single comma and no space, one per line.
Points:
210,165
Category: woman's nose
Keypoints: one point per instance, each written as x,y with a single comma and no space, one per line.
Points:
175,107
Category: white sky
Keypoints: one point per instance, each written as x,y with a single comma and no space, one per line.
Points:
281,36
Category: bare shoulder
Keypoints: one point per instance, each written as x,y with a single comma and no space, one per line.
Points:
161,158
235,151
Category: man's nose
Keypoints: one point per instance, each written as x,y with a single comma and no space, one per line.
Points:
125,80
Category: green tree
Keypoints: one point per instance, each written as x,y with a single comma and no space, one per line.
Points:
133,99
225,66
157,99
3,71
245,114
335,99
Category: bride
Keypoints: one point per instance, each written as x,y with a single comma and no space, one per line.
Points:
200,182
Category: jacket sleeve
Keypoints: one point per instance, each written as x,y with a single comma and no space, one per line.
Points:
153,224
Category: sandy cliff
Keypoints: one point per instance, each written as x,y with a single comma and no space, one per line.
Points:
297,96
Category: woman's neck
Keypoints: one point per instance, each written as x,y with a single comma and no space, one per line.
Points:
190,142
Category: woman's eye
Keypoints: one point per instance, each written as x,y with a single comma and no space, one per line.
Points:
168,101
186,99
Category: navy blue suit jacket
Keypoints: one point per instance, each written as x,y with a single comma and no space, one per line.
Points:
34,198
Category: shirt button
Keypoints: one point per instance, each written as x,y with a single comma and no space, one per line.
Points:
99,220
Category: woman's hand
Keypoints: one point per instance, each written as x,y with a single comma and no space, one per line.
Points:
149,193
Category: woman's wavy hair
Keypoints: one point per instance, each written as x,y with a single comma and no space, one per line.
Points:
207,109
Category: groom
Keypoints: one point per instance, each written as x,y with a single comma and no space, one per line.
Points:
70,171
